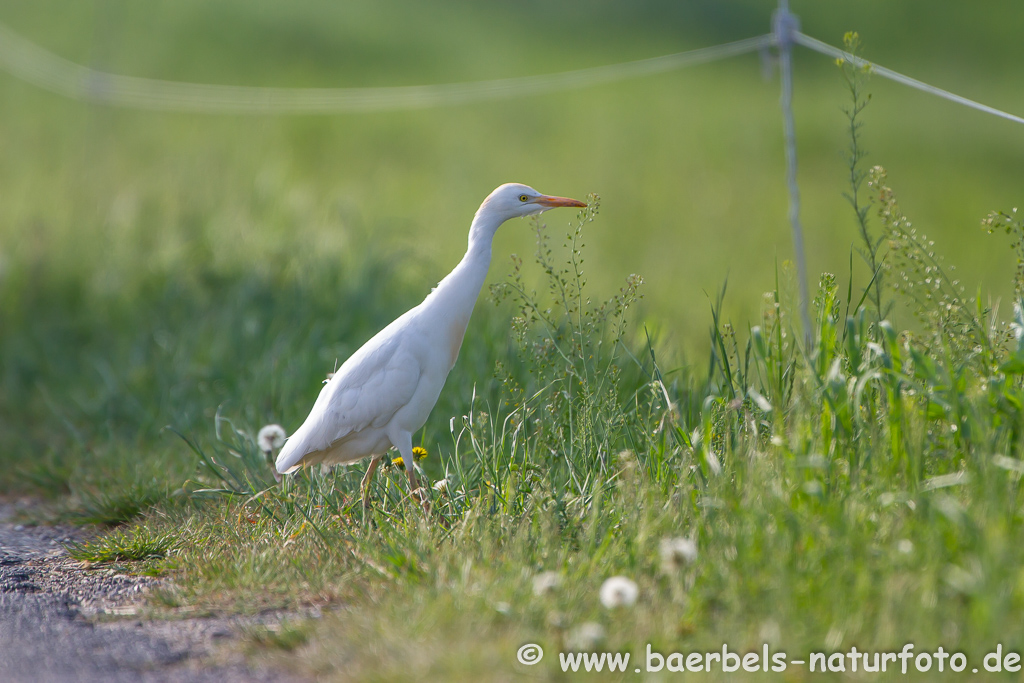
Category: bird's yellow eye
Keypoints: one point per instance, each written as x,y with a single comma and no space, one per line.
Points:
524,198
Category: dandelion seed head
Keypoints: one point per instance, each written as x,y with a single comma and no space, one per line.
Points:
676,553
619,591
770,632
586,637
271,437
546,582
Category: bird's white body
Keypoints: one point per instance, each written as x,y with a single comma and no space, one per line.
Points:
389,385
384,392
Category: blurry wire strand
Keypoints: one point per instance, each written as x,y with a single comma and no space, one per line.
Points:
34,64
31,63
826,49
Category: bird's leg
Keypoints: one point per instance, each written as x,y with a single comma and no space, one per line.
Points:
417,492
367,478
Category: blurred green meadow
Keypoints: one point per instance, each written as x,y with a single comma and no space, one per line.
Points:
123,233
159,269
689,164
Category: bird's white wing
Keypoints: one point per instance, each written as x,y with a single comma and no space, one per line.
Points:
366,392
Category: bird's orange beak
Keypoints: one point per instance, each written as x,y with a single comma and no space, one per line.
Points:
555,202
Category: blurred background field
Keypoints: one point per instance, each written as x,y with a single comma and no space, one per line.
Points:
160,269
156,266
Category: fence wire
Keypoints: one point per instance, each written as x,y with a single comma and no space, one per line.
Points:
826,49
29,62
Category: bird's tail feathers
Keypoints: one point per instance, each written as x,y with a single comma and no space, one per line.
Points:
290,457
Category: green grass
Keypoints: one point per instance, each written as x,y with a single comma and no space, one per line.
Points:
865,493
115,506
132,545
284,636
170,283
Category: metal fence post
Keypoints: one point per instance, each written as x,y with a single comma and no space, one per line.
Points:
784,26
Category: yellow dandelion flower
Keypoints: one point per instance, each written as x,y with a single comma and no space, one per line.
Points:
418,454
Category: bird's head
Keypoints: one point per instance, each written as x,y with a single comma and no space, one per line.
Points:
513,200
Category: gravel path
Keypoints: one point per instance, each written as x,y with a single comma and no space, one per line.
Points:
60,622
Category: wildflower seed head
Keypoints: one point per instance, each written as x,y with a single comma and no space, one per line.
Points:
770,632
676,553
619,591
546,582
557,620
586,637
271,437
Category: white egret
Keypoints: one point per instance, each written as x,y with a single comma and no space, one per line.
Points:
384,392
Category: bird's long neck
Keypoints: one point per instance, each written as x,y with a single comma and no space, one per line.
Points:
453,299
458,291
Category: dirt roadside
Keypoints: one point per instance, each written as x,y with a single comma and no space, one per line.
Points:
60,622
